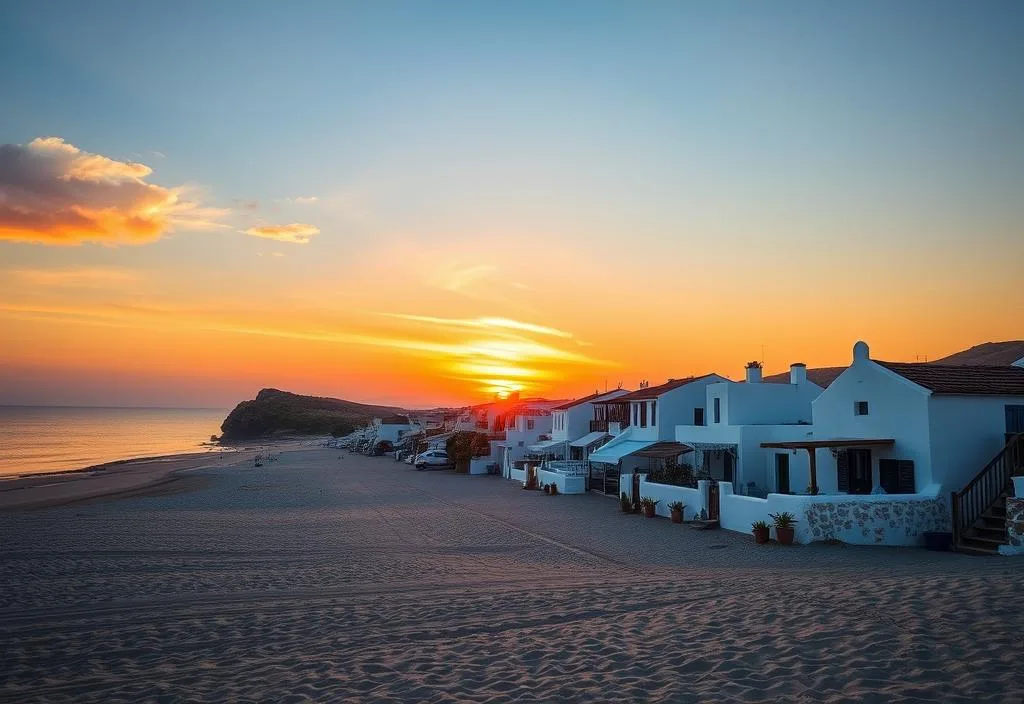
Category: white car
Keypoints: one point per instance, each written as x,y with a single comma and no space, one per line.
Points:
432,458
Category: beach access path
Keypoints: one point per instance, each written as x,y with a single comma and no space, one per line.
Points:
325,576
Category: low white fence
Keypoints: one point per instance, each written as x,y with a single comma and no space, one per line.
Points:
693,499
567,484
886,519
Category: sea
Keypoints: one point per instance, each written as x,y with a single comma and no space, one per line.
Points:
36,439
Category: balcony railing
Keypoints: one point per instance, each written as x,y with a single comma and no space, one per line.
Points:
570,468
599,426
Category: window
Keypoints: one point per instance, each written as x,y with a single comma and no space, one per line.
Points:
896,476
529,423
654,412
718,410
860,408
782,473
698,416
636,414
1014,419
643,414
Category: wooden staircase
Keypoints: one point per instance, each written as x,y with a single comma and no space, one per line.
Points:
979,510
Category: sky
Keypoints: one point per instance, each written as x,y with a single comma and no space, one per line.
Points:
427,203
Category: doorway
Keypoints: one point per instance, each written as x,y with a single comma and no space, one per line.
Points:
782,473
860,471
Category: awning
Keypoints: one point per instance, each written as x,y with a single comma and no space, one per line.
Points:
834,443
545,445
611,454
589,439
664,450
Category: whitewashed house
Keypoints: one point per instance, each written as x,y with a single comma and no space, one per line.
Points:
743,415
525,425
891,443
574,435
647,419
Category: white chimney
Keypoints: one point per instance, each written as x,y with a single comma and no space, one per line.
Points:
798,373
861,351
753,372
1019,363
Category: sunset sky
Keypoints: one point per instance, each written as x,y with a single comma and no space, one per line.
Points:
425,203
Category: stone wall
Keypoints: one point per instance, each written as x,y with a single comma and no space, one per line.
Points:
1014,526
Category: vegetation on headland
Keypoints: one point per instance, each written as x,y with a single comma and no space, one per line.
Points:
275,412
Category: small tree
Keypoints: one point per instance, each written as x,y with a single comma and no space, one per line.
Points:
464,446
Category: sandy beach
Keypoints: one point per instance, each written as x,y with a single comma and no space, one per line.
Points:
325,576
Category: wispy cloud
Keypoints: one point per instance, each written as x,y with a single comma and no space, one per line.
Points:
484,323
303,200
95,277
294,233
457,280
52,192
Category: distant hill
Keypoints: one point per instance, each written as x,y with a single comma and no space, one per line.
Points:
275,412
997,354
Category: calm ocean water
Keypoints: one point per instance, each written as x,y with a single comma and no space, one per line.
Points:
46,439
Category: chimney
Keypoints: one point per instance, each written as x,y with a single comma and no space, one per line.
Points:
753,372
1019,363
798,373
861,351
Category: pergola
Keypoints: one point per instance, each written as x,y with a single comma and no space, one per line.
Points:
812,445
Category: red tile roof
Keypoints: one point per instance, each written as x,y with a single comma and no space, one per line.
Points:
586,399
956,379
652,392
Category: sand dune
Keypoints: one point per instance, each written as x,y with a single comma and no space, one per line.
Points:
326,579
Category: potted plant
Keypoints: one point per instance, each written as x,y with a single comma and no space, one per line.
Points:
547,488
813,490
554,489
760,529
648,504
625,504
676,507
784,523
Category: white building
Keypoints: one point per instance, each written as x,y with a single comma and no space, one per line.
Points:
743,415
648,428
890,443
574,435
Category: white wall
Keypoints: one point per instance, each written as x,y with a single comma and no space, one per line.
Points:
966,433
896,519
675,407
897,409
761,403
565,484
666,493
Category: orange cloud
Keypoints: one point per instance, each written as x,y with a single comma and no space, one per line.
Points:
295,233
95,277
52,192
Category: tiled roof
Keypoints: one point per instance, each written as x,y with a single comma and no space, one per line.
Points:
569,404
956,379
587,399
652,392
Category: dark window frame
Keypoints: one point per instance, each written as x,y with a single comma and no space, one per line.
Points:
718,409
861,408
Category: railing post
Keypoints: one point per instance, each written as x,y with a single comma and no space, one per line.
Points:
955,518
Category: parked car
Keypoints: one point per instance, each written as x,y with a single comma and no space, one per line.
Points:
431,459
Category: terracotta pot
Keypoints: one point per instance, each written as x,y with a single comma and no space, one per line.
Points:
677,516
784,536
649,511
554,489
761,535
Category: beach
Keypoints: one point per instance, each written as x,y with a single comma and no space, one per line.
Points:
326,576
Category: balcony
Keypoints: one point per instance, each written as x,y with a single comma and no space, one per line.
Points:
599,426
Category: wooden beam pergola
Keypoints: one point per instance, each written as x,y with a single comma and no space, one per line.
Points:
812,445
